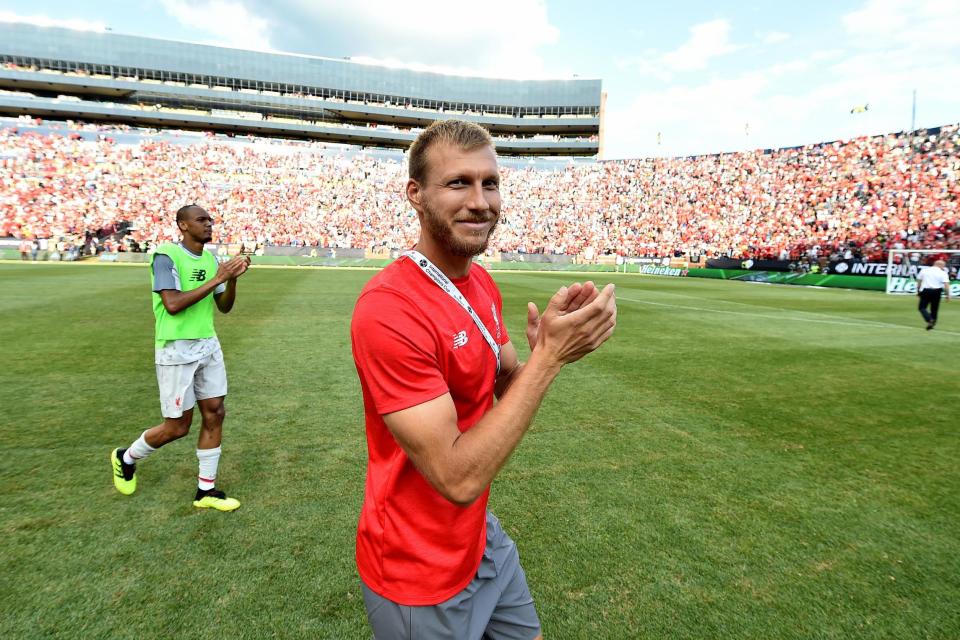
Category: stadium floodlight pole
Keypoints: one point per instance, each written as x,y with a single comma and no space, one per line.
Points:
912,192
890,253
913,128
913,112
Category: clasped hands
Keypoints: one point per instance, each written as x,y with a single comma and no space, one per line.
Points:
232,268
577,320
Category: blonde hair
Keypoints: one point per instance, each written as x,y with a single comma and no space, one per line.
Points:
458,133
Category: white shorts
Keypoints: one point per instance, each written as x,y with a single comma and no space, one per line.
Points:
181,385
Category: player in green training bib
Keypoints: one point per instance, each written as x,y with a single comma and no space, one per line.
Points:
187,283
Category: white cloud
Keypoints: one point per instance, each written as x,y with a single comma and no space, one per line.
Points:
706,118
454,36
433,35
46,21
915,23
708,40
890,48
228,22
773,37
783,109
825,54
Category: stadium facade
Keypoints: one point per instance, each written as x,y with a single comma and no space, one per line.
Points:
61,74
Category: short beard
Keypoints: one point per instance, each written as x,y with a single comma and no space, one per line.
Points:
442,232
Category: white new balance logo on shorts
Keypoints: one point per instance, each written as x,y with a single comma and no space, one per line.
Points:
459,339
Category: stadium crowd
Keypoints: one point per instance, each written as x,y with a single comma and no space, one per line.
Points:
855,199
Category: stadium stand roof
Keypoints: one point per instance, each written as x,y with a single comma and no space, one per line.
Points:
66,73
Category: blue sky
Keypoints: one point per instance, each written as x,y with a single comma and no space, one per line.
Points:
700,77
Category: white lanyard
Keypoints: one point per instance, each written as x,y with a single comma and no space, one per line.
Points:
444,283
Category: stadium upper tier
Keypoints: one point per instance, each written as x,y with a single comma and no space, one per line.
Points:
63,73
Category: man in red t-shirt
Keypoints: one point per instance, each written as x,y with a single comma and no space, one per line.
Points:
431,352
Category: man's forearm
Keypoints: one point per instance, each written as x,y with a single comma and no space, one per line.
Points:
225,300
478,454
177,301
504,381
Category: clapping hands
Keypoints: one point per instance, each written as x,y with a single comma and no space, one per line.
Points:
577,320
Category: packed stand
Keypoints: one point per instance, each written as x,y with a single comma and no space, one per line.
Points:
853,199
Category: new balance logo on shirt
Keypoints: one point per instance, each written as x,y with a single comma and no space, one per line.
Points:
198,275
459,339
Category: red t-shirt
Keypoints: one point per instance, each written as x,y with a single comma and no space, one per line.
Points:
413,343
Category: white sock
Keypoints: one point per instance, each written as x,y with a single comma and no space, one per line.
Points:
138,450
209,459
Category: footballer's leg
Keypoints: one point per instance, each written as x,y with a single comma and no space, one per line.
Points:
123,462
208,457
211,389
177,400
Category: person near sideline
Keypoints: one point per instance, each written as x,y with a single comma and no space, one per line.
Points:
932,283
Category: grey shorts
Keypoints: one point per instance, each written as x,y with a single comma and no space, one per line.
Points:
496,604
181,385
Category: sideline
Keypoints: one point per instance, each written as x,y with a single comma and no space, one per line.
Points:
97,263
493,272
86,263
839,320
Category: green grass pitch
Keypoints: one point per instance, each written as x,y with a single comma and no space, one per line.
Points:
739,461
